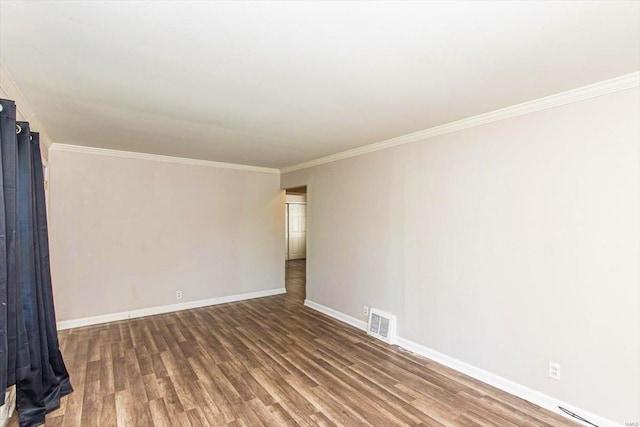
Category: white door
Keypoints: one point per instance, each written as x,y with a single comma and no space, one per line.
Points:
297,230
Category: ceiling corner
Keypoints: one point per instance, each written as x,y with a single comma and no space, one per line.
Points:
25,112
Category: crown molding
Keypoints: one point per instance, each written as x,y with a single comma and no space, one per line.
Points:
158,158
575,95
9,86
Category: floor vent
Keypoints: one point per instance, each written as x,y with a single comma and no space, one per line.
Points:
382,325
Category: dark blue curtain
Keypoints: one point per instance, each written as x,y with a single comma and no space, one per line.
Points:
30,354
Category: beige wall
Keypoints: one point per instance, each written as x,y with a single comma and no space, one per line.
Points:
128,233
506,246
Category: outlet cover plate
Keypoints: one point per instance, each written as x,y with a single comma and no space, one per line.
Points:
555,371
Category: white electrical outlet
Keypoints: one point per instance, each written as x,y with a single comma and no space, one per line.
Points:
365,311
178,294
555,371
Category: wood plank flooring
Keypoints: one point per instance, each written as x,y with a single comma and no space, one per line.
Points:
267,362
295,277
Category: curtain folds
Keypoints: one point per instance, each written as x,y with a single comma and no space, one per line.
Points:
29,350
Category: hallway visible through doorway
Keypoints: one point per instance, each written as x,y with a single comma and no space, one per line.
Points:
296,242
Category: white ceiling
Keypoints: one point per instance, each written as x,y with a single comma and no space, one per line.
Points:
275,84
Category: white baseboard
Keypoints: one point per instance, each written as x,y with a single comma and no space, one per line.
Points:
356,323
511,387
123,315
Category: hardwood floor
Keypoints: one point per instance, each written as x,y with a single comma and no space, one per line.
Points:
295,279
271,362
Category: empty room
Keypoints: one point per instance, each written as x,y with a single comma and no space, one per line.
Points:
320,213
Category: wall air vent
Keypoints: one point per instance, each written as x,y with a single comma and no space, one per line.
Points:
382,325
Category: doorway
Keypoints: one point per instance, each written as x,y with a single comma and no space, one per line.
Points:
296,242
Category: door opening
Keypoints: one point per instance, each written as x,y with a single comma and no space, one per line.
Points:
296,242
